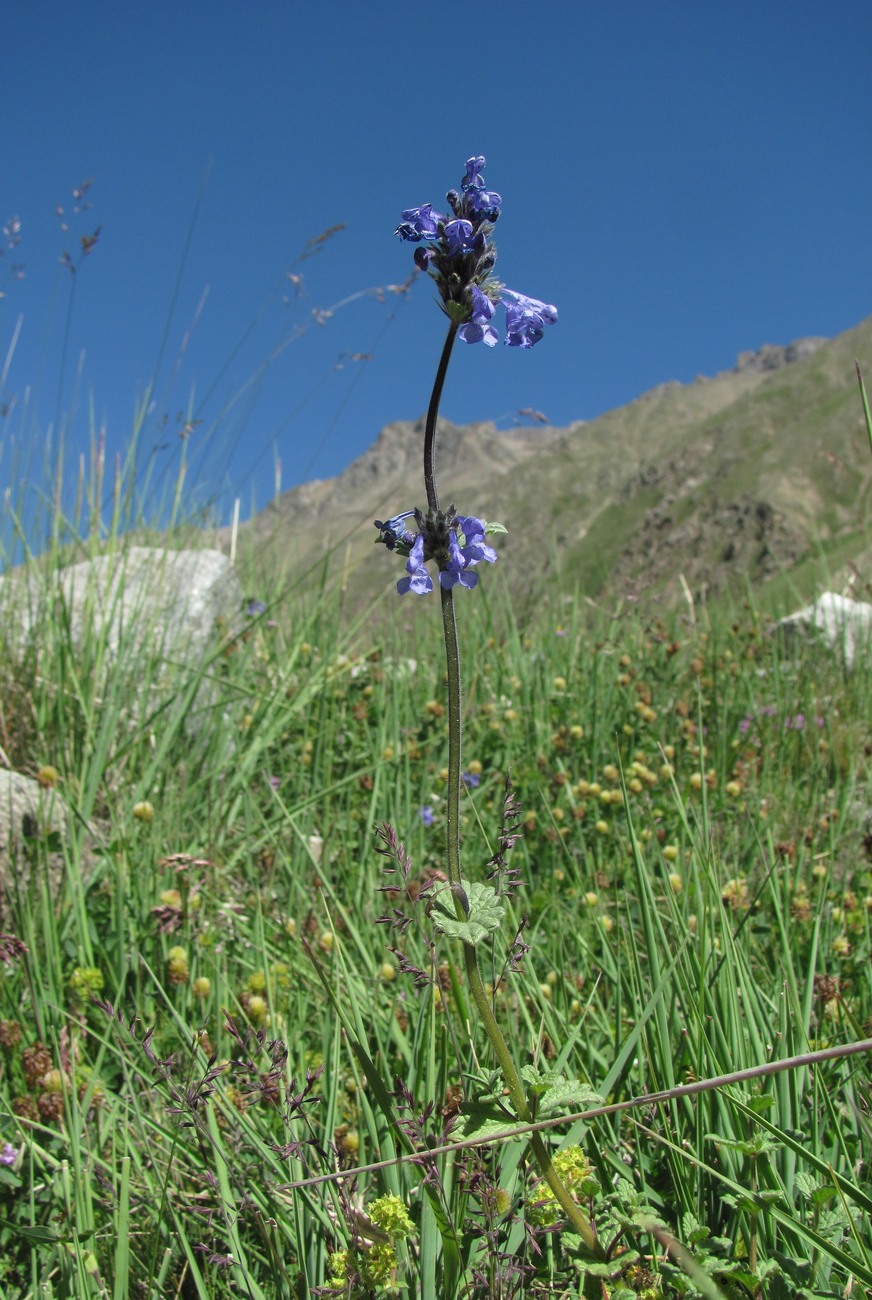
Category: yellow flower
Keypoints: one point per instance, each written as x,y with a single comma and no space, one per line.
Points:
257,1010
177,966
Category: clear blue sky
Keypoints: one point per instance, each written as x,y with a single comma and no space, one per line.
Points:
683,180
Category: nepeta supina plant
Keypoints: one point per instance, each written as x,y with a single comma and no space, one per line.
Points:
458,253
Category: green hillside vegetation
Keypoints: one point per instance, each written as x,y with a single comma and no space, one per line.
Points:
752,476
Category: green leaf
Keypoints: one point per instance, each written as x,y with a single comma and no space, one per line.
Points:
805,1184
692,1231
40,1236
758,1104
486,914
558,1092
482,1120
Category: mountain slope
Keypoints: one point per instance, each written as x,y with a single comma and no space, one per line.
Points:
740,477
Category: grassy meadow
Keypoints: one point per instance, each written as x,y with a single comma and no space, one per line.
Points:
239,1058
208,1007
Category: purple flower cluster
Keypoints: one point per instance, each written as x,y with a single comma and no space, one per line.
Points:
460,255
791,721
456,542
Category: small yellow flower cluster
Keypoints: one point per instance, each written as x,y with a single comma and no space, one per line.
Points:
574,1170
84,982
178,966
374,1264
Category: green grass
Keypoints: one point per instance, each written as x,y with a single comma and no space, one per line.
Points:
696,869
206,1025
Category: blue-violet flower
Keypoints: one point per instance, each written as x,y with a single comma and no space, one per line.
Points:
526,319
419,580
456,542
478,328
459,254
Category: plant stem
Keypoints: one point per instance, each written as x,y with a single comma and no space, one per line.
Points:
579,1221
432,413
514,1084
455,735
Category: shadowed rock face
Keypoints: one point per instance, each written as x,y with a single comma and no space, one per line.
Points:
773,357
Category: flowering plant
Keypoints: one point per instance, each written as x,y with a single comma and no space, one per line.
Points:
458,253
456,542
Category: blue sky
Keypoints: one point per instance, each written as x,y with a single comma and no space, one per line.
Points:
683,180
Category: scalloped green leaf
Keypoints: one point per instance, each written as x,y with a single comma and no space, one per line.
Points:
482,1120
570,1095
486,914
557,1092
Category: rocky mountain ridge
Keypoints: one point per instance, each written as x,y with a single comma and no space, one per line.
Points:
729,479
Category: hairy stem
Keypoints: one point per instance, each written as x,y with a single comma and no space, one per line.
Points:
432,413
455,734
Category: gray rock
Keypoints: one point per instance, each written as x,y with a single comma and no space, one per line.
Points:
30,819
845,625
140,598
135,624
142,607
